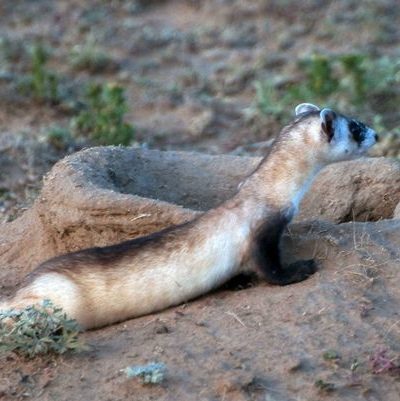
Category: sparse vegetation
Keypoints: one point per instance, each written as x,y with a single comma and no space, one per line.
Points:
38,330
331,355
320,80
40,83
103,119
59,137
355,76
268,99
355,82
324,387
152,373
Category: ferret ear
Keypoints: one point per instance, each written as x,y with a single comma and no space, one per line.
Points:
327,119
305,108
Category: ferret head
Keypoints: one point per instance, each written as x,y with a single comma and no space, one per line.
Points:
334,136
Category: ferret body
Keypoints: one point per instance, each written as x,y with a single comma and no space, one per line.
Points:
100,286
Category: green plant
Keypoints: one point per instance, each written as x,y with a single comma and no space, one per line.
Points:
320,79
354,67
153,373
267,98
317,84
383,73
4,193
59,137
354,365
324,387
331,355
103,119
41,83
38,329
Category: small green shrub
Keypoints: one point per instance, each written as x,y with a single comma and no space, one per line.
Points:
320,79
267,99
331,355
354,66
103,119
152,373
324,387
38,330
4,193
40,83
59,137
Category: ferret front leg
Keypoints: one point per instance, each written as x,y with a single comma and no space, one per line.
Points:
268,258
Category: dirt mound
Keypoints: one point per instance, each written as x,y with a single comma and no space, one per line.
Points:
360,190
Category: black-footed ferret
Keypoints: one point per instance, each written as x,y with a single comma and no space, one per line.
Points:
99,286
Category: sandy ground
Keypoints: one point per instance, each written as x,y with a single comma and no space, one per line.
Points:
252,341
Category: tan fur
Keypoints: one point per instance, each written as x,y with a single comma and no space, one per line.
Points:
98,287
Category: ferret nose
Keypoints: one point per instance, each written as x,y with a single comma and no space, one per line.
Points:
376,137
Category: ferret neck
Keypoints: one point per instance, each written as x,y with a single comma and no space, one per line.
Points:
282,179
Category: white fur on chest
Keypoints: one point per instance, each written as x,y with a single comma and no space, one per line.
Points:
299,195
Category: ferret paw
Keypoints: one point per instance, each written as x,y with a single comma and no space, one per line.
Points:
299,271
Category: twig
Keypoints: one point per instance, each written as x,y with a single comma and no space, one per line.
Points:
141,216
236,318
390,328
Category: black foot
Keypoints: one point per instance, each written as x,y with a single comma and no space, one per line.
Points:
295,272
299,271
